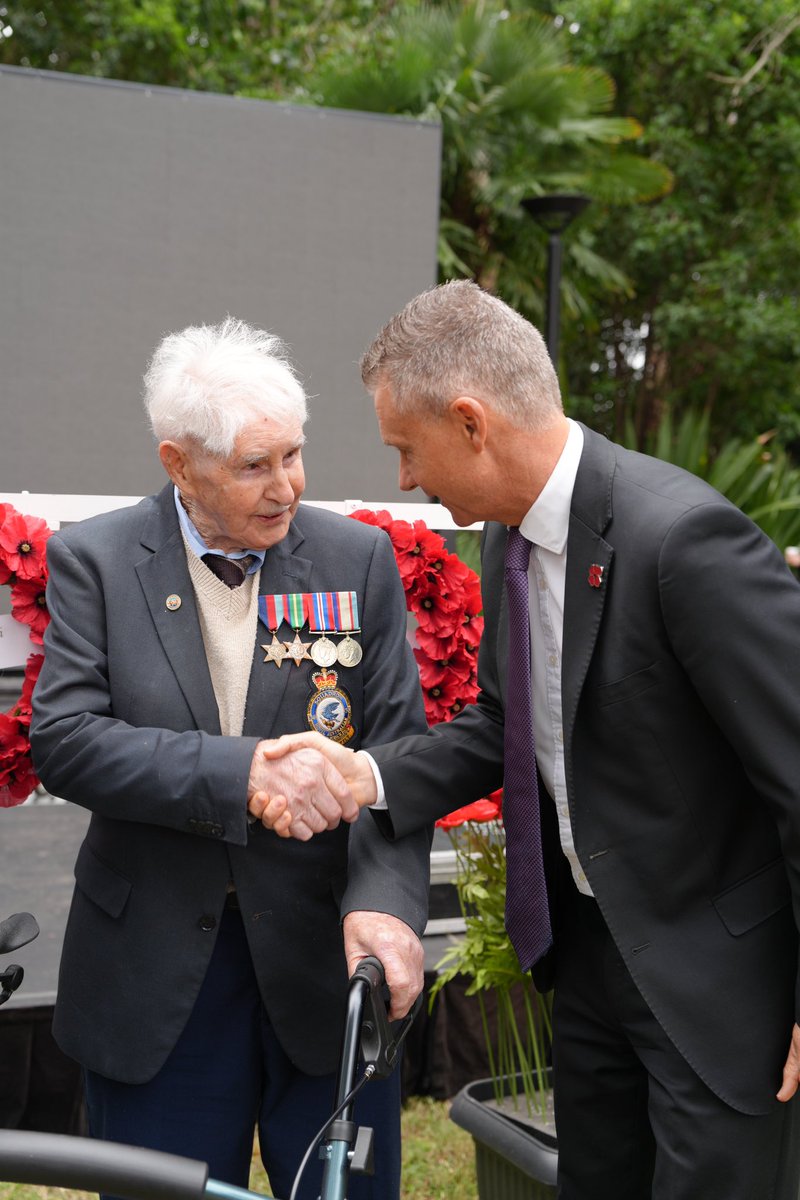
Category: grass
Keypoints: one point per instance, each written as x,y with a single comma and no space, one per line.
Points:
438,1160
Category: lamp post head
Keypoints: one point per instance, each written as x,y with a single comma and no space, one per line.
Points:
555,212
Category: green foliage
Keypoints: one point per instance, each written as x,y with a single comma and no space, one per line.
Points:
484,955
711,320
756,474
249,47
518,119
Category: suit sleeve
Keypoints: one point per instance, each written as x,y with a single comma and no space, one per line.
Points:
384,876
191,780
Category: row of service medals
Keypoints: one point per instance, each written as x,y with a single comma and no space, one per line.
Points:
333,613
329,710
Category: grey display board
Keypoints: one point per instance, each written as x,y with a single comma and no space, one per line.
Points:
127,212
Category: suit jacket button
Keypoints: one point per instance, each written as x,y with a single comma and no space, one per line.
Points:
207,922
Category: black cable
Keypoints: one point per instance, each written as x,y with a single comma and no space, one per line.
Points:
369,1071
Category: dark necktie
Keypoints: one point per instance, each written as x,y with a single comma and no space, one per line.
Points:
230,571
527,912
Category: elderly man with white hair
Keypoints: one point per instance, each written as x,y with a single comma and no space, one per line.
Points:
205,963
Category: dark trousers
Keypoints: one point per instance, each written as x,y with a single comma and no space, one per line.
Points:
228,1074
634,1121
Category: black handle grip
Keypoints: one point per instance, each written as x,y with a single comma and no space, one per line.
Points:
86,1165
380,1039
17,930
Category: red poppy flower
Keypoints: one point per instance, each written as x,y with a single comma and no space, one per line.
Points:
436,647
468,694
373,516
22,709
437,613
488,809
459,666
17,784
453,573
12,740
22,544
28,605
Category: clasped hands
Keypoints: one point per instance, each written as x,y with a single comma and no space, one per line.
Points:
304,783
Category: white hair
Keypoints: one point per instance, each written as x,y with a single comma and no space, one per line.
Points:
209,381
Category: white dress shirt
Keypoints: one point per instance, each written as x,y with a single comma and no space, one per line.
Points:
546,526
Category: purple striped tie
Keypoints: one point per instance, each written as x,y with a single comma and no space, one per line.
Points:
527,912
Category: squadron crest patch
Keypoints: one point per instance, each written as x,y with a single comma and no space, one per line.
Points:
330,709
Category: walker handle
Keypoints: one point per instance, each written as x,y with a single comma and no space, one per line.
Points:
87,1165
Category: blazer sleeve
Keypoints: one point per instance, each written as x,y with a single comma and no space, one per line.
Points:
384,876
186,780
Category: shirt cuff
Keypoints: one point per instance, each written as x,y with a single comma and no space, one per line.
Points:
380,804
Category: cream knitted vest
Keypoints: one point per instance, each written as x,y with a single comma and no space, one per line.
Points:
228,621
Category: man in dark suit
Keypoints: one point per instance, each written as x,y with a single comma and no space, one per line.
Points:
205,962
665,643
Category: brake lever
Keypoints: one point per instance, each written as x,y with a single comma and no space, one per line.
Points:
381,1039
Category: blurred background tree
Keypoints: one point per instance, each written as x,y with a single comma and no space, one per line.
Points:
711,322
679,118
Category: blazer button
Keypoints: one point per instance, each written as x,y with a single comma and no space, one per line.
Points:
207,922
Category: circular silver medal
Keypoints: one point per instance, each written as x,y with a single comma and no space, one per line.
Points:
323,652
349,653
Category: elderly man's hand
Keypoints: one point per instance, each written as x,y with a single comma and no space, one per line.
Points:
319,796
285,811
395,945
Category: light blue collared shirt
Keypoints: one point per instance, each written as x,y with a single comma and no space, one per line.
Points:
200,548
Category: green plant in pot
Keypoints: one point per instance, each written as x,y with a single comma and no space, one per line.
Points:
510,1114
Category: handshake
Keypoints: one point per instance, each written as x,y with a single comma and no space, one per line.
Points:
304,783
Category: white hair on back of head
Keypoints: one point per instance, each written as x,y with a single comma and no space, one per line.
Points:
209,381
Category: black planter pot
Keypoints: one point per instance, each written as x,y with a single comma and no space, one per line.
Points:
513,1159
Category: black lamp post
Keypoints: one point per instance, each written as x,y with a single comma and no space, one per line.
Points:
554,213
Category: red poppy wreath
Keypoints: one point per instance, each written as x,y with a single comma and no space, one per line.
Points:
23,568
444,594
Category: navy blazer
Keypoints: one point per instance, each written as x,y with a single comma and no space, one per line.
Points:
126,724
681,726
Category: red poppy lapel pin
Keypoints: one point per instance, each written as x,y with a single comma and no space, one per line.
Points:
595,575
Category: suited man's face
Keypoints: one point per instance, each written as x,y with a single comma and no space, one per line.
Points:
436,454
246,501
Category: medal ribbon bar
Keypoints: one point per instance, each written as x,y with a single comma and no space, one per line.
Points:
326,612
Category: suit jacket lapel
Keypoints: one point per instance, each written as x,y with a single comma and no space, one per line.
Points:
164,572
584,599
284,570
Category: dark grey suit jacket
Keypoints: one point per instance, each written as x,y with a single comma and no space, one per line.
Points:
681,724
126,724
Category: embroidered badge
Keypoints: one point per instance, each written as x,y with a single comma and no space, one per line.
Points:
330,709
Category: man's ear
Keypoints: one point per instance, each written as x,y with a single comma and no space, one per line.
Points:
173,460
471,417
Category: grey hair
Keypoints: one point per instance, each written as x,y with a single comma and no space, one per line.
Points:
457,339
209,381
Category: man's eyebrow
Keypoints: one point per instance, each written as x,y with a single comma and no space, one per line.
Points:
250,459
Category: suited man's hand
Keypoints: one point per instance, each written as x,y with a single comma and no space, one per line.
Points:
305,786
284,811
395,945
791,1071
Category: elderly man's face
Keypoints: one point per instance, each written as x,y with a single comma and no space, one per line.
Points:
247,501
432,456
